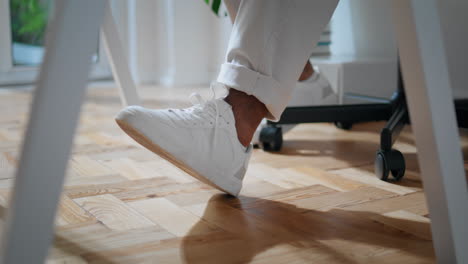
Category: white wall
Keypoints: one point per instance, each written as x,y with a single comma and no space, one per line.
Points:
363,29
455,31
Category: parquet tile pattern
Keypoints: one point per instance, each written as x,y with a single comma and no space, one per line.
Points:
316,201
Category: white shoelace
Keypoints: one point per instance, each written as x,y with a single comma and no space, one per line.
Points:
196,99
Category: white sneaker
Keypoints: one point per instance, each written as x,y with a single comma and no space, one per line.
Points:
201,140
313,91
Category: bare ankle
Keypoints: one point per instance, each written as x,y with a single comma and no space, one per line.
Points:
306,72
248,113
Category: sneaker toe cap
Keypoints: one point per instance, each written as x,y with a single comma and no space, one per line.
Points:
130,113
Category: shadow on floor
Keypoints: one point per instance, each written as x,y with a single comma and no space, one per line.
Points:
247,227
255,225
346,150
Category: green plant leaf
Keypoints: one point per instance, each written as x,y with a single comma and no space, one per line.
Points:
215,6
28,20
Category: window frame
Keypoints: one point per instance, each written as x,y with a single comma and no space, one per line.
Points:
11,75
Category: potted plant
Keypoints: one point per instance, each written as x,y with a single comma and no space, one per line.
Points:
28,24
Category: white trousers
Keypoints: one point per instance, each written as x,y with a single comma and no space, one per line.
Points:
270,43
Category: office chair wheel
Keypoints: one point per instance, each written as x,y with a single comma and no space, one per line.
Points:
387,162
344,125
271,138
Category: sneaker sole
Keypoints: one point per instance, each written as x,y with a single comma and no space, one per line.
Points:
147,143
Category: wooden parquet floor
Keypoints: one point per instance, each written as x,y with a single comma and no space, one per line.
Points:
316,201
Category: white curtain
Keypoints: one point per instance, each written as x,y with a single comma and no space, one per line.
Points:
172,42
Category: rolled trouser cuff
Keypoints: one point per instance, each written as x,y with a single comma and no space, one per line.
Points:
266,89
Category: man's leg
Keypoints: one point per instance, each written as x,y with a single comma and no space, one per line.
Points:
269,45
270,42
232,7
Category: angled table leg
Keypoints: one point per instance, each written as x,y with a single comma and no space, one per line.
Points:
71,41
425,72
118,60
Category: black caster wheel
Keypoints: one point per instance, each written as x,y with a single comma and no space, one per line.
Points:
387,162
344,125
271,138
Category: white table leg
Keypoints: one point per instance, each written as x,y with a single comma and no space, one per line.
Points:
71,41
118,61
428,88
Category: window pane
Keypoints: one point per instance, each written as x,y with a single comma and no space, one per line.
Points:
28,25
